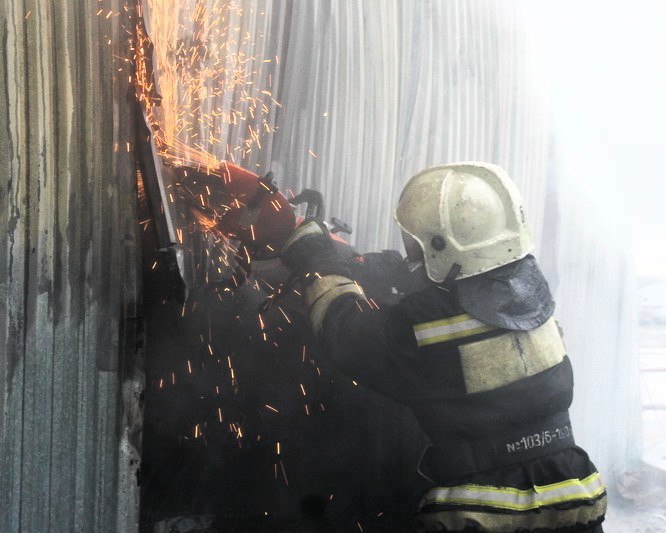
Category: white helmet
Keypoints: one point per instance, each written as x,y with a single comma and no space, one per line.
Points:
467,217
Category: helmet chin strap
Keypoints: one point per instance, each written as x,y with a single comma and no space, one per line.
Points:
414,264
451,276
418,278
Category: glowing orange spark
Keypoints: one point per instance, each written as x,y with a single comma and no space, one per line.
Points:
202,64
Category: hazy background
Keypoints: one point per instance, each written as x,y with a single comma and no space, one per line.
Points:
603,70
602,64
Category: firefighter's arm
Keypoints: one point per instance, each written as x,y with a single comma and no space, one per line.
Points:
363,341
326,275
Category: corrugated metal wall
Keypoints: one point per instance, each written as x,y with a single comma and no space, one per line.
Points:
369,93
379,90
69,280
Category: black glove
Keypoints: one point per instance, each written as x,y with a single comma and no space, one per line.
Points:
310,250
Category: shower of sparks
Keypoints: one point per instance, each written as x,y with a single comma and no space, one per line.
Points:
200,88
199,84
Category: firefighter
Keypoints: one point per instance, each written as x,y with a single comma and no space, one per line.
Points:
476,354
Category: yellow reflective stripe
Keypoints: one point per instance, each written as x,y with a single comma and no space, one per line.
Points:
456,517
518,499
447,329
323,292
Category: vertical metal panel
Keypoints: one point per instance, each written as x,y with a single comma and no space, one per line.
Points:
69,378
379,90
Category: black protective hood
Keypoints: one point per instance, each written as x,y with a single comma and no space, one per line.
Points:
514,296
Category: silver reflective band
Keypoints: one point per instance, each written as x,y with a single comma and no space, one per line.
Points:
323,292
517,499
447,329
414,264
457,517
493,363
309,228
